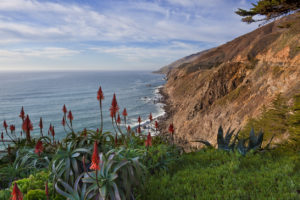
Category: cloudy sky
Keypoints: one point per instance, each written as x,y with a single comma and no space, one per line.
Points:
112,34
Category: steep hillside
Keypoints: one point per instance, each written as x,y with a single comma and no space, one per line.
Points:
229,84
166,69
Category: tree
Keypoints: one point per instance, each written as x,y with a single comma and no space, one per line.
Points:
269,10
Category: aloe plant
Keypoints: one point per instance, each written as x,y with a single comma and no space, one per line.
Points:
116,178
224,142
75,192
65,164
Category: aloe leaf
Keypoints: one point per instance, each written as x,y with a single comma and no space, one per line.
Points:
61,192
203,142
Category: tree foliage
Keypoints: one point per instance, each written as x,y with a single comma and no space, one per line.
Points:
269,9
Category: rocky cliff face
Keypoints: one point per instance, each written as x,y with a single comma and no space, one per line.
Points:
229,84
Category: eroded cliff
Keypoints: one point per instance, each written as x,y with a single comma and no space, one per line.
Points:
229,84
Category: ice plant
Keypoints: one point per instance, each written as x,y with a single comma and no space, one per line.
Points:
114,108
39,148
27,127
41,126
22,114
16,193
100,97
95,158
148,142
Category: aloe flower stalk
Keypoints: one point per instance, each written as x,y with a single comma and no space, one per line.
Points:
100,97
95,158
22,114
16,193
53,133
39,148
156,126
150,117
27,127
124,113
41,126
47,190
148,142
171,130
5,125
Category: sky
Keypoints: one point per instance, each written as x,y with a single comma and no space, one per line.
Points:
112,34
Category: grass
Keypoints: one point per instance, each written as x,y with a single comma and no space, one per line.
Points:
213,174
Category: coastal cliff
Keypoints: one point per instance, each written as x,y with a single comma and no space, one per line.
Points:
229,84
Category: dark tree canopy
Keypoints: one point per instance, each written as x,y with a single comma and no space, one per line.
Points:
268,9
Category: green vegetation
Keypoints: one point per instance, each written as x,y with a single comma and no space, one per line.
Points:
214,174
125,164
280,120
270,9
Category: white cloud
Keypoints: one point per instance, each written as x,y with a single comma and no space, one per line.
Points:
130,22
48,52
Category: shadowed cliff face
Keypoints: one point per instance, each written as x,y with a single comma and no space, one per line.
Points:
229,84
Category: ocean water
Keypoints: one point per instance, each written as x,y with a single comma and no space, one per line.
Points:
43,94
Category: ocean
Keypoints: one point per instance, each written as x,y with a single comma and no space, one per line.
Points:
43,94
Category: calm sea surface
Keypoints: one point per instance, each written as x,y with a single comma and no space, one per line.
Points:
44,93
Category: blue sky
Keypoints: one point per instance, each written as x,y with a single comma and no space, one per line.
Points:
112,34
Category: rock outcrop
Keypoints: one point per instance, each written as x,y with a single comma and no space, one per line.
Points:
229,84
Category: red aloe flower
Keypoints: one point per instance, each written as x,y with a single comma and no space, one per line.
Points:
124,112
148,142
22,114
5,125
12,128
27,127
50,129
70,116
39,147
16,193
150,117
64,109
114,108
84,132
139,119
139,129
53,132
95,158
63,121
47,190
116,139
119,119
156,125
100,95
2,137
128,128
171,128
41,123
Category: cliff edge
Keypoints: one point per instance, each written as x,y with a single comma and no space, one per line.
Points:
229,84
